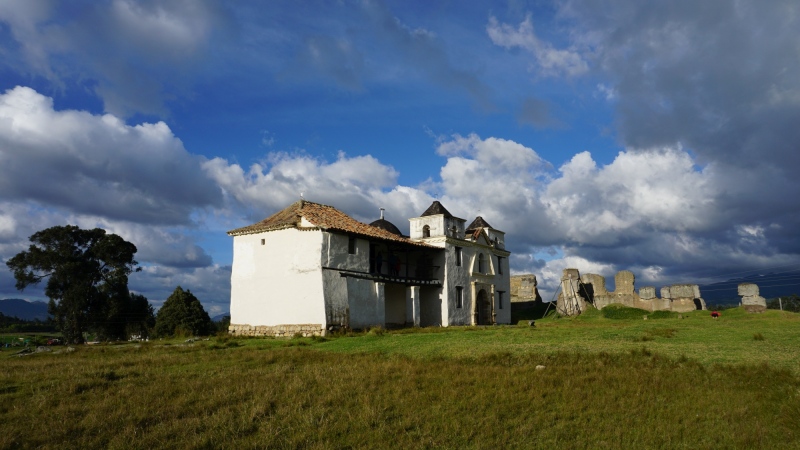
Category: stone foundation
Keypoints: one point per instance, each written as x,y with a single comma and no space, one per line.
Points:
277,330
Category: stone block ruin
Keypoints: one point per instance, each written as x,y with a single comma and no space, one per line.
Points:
523,289
751,300
579,292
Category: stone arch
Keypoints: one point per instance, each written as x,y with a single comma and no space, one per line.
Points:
426,231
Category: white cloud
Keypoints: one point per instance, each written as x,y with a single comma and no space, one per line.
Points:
658,189
138,173
550,61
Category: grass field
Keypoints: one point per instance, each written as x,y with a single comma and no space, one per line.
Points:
664,382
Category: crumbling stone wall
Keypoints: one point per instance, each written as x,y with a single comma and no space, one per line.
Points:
523,289
751,300
648,296
594,287
684,297
572,299
305,330
592,290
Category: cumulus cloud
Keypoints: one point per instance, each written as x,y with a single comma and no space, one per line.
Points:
549,60
646,191
350,183
90,164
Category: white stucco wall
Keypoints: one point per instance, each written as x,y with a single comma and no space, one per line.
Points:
439,226
279,282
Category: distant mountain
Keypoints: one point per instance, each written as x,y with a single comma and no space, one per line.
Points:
23,309
770,285
219,317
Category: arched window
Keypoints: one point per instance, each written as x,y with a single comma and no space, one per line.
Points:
480,262
426,231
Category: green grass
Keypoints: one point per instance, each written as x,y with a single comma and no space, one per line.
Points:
606,383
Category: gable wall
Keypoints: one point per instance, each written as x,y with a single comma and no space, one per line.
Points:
279,282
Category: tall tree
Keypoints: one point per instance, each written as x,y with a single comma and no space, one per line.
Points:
140,317
87,277
182,313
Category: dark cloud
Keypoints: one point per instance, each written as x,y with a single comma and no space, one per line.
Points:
136,54
722,78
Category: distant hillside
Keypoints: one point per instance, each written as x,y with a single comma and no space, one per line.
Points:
23,309
770,285
219,317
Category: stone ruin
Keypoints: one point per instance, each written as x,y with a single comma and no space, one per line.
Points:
751,301
573,298
579,292
523,289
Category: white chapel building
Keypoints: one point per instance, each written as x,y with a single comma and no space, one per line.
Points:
310,268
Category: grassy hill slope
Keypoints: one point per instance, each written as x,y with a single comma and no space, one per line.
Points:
588,382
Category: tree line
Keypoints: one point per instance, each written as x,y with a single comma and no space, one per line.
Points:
86,274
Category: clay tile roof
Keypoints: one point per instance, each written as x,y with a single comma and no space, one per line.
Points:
321,216
479,223
436,208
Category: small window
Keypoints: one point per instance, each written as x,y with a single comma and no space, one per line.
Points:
480,263
458,256
263,242
500,299
351,246
459,297
426,231
500,265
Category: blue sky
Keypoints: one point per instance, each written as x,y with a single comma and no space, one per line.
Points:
659,137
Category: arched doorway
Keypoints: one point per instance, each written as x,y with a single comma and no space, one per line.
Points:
484,308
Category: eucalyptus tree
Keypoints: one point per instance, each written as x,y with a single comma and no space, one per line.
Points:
87,278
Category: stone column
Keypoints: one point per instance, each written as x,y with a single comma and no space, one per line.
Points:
494,307
474,301
412,305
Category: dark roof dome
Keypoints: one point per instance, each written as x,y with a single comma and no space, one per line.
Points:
478,223
436,208
384,224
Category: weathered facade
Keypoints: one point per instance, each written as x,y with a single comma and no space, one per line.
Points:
579,292
310,268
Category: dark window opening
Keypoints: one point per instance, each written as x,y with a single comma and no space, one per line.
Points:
351,246
500,265
458,256
459,296
480,263
500,299
426,231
